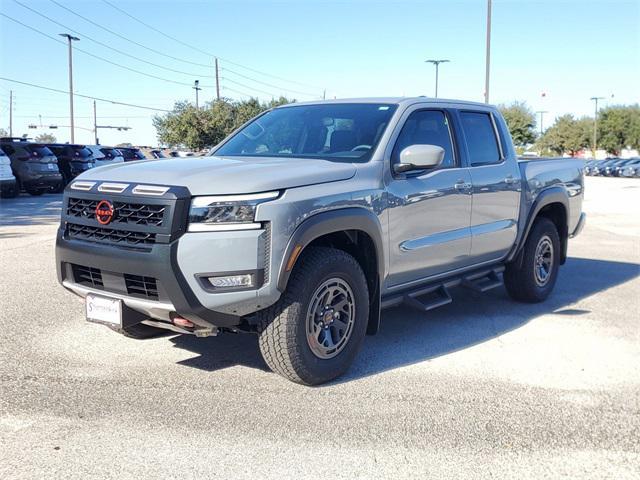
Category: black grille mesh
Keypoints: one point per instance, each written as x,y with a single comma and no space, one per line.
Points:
91,277
118,237
140,286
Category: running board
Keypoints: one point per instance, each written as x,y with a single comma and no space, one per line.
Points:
425,300
483,283
435,294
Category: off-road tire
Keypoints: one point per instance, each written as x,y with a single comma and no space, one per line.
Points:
282,327
520,277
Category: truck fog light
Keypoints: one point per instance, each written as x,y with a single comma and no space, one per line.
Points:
232,281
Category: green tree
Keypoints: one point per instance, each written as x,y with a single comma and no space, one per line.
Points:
618,128
200,128
521,122
45,138
566,135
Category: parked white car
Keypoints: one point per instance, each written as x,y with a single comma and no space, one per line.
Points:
8,185
105,155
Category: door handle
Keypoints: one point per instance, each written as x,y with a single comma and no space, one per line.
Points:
462,186
510,180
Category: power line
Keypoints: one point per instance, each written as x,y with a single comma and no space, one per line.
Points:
83,35
128,39
266,84
115,102
200,50
97,56
247,86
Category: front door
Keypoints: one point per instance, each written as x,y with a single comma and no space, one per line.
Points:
430,210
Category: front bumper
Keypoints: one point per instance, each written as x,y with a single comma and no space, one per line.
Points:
41,180
161,263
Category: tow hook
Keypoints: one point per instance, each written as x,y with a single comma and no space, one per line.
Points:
206,332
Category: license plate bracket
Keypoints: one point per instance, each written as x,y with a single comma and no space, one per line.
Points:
105,310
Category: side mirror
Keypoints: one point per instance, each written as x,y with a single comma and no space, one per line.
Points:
418,157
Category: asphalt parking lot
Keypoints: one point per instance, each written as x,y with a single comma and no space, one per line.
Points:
482,388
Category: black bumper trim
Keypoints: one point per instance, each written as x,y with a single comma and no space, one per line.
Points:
150,263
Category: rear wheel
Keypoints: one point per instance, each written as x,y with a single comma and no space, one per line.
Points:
533,279
312,334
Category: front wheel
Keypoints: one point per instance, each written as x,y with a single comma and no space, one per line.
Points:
533,279
312,334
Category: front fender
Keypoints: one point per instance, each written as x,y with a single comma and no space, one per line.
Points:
330,222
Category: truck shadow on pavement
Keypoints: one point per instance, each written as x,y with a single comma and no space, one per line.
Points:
407,336
29,210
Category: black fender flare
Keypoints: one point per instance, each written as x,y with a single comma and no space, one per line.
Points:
555,194
332,221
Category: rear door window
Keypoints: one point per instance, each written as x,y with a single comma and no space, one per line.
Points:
481,138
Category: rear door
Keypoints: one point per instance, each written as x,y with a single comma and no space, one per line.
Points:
430,210
495,176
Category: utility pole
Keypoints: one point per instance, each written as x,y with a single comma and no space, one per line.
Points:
217,81
436,63
595,125
70,39
11,113
95,124
488,55
197,89
541,112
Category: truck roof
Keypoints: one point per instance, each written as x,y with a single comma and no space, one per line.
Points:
393,100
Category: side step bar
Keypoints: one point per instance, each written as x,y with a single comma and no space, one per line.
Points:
436,294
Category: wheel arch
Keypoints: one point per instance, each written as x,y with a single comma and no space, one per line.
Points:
354,230
552,203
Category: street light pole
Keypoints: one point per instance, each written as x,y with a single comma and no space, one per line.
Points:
488,55
70,39
197,89
541,112
595,125
436,63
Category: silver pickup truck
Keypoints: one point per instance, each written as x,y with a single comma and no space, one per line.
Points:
310,219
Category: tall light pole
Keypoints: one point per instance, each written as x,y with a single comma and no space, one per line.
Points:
197,88
488,55
436,63
541,112
70,39
595,125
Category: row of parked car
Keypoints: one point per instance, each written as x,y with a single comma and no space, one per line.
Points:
613,167
39,168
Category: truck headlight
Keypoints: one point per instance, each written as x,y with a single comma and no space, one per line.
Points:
226,212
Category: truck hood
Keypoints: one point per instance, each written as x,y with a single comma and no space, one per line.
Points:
225,175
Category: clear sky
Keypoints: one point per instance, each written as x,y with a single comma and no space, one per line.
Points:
571,50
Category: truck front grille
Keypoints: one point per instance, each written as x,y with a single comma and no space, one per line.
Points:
125,213
109,235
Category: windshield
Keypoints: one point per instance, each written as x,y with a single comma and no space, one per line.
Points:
339,131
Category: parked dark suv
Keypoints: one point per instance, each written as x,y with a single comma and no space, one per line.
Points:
72,160
34,165
131,154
